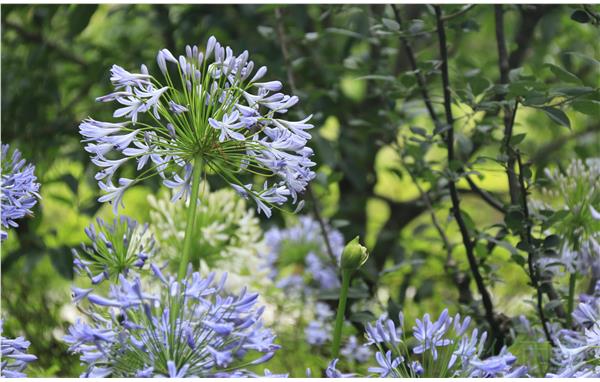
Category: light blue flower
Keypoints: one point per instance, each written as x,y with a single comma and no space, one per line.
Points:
211,112
13,356
19,189
170,328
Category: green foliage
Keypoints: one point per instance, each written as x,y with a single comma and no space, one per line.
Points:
381,158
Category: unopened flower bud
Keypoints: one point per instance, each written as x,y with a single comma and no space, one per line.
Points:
354,255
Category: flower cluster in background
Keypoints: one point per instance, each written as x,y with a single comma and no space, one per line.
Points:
19,189
229,236
207,110
13,356
578,190
298,260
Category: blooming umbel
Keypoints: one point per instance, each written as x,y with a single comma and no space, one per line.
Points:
115,249
578,351
301,251
14,359
443,348
170,328
577,191
206,111
19,188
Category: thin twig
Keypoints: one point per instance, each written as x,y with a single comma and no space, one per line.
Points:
533,269
509,120
284,50
413,65
292,82
468,243
456,14
489,199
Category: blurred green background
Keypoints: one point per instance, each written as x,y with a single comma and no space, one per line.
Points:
348,70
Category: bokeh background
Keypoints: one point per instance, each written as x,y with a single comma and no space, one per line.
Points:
356,80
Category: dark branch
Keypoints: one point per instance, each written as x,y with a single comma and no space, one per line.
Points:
486,196
530,17
531,260
468,243
413,65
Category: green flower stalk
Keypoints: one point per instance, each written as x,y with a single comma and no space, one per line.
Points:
353,257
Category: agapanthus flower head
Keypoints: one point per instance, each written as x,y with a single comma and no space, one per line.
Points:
440,348
168,328
297,257
575,194
13,356
205,108
577,191
115,249
229,236
578,350
19,189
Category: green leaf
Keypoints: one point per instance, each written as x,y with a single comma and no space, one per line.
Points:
557,116
362,317
580,16
588,107
517,138
419,131
519,259
391,24
563,74
79,17
552,241
62,260
514,220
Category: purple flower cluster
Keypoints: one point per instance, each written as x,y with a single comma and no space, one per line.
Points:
19,189
578,352
302,247
443,349
13,356
170,328
318,332
218,115
115,249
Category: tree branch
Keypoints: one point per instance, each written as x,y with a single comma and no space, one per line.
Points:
530,17
468,243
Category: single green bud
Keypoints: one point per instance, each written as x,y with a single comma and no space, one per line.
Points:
354,256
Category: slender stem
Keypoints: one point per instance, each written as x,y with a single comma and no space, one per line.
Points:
467,241
339,320
531,254
571,301
322,226
191,217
